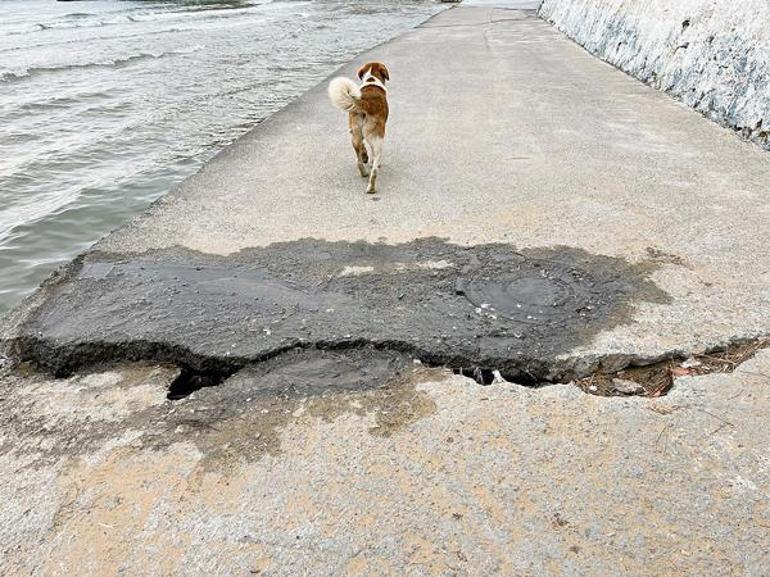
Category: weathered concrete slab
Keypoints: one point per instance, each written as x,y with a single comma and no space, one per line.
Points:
431,475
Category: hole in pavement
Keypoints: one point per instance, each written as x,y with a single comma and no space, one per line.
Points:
648,380
657,379
301,372
190,381
486,376
312,371
481,376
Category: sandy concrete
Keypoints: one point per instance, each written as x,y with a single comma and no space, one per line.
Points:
435,476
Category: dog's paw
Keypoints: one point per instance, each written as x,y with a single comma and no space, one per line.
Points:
371,190
363,171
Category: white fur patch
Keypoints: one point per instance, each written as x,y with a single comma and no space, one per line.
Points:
369,78
344,93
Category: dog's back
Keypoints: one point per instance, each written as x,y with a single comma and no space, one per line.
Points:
374,106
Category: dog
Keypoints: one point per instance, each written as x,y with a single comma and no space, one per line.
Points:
367,108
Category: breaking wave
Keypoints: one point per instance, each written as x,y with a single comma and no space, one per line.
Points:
109,63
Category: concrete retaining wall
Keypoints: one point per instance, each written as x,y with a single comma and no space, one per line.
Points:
714,55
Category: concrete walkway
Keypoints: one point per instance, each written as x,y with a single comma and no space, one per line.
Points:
539,213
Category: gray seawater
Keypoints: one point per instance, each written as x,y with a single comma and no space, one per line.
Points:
106,104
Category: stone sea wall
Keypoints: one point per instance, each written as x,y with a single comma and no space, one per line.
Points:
714,55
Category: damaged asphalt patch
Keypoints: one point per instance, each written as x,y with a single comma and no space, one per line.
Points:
447,305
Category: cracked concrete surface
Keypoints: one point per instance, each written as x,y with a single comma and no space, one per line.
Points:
519,144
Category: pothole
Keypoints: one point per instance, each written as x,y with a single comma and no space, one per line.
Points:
314,372
486,376
301,373
657,379
489,312
188,381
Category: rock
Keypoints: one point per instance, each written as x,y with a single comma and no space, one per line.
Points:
626,387
691,363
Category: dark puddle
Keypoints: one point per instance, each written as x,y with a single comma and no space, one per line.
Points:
480,308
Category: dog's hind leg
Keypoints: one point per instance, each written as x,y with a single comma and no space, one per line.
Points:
356,132
375,142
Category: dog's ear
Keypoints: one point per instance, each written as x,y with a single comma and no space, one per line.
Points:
384,70
362,70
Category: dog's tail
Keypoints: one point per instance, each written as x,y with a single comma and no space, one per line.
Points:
344,93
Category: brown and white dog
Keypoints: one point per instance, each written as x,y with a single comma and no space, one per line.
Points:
367,107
